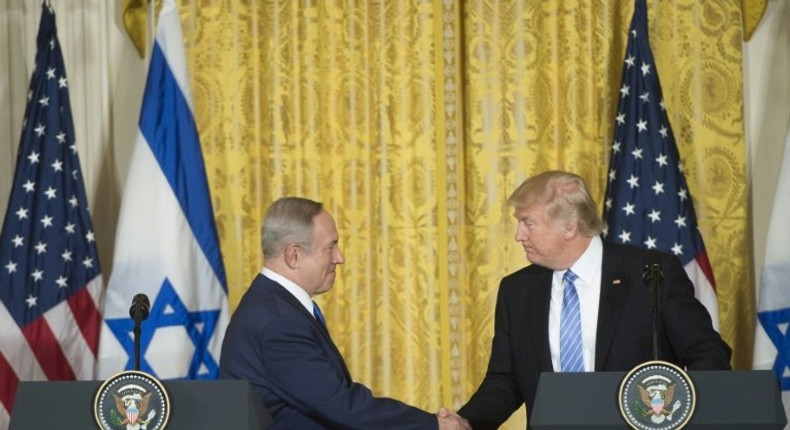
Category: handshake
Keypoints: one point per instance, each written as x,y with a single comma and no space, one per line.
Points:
451,421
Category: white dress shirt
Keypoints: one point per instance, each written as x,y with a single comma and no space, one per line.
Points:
588,287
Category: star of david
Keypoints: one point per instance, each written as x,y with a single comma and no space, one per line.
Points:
168,310
772,321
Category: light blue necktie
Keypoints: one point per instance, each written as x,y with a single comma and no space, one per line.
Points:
318,315
571,357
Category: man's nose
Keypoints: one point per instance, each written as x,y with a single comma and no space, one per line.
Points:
521,235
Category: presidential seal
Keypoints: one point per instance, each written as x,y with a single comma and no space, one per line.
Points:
657,395
131,400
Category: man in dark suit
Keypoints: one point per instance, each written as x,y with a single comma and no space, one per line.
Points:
277,338
573,269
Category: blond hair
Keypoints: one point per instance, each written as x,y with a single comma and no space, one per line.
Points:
565,196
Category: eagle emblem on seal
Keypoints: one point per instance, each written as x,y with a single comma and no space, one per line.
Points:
657,396
134,407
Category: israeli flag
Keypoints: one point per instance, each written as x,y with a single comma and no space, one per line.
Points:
166,244
772,333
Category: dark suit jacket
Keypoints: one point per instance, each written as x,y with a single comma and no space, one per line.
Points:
295,368
520,348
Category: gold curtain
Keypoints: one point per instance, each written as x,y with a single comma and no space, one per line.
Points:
412,122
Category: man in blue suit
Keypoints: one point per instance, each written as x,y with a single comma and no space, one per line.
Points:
278,341
559,227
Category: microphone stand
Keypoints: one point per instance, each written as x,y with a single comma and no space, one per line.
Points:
137,321
655,278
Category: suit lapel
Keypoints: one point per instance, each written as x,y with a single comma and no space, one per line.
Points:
539,314
281,292
615,283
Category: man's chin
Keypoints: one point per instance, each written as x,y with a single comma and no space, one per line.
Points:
326,287
532,258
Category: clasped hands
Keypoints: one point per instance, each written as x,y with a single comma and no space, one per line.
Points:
451,421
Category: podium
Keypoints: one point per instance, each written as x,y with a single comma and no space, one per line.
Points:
220,404
725,400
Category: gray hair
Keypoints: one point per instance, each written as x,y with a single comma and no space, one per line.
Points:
288,220
565,196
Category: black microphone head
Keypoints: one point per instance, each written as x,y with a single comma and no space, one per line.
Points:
652,270
140,307
647,272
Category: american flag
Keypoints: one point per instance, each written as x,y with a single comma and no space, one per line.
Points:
647,198
50,278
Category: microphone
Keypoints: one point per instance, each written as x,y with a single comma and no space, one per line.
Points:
654,278
652,271
140,307
138,312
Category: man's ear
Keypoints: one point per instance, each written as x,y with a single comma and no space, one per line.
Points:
291,255
569,230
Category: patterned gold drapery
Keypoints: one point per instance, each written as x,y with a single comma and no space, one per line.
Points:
412,121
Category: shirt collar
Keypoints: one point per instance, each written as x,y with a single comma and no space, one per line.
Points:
589,264
292,288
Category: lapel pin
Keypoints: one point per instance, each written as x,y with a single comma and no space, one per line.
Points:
616,281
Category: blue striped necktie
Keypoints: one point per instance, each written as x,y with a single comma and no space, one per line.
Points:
571,357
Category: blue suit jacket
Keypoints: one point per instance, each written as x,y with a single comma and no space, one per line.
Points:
520,348
295,368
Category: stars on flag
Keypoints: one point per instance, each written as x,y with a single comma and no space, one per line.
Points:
40,226
647,200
